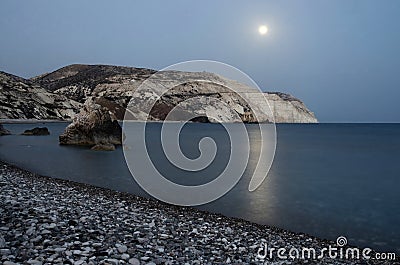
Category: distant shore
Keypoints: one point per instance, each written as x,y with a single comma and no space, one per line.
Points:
25,121
47,220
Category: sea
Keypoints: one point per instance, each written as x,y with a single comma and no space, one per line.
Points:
326,180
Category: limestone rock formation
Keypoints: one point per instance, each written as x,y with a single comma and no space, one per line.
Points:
37,131
60,95
4,131
115,85
288,109
93,126
23,99
103,147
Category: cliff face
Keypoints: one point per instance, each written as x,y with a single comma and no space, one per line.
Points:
114,86
22,99
288,109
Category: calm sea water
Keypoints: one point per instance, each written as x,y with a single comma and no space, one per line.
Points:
327,180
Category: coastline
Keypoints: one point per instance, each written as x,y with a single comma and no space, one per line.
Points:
48,220
29,121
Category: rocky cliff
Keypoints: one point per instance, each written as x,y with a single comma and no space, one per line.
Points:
113,87
288,109
23,99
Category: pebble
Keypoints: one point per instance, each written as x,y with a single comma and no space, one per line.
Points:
134,261
122,249
9,263
50,221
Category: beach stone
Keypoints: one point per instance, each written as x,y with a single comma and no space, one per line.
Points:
5,251
2,242
134,261
112,261
122,249
38,203
34,262
59,249
9,263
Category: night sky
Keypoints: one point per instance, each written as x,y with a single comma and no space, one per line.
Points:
342,57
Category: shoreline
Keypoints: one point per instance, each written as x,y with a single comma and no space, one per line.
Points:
30,121
48,220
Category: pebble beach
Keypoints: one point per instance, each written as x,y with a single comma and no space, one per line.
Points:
51,221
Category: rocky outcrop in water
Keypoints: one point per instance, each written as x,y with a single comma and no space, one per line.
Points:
4,131
37,131
95,126
23,99
103,147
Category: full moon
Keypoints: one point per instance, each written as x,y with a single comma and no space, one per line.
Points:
262,29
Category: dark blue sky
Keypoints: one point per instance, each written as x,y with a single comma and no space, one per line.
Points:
342,57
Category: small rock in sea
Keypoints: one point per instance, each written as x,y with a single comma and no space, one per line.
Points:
37,131
125,256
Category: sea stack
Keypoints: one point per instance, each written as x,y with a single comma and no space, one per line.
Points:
94,126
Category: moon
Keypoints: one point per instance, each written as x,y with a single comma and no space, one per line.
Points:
262,29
